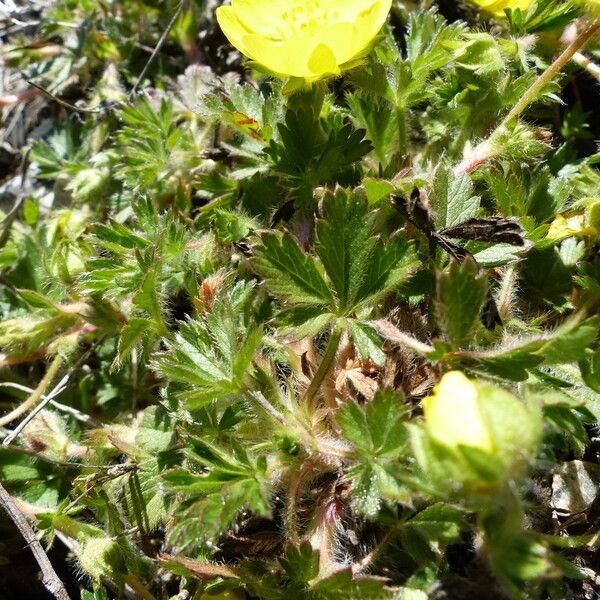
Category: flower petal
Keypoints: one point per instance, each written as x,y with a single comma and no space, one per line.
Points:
322,61
262,16
452,414
233,28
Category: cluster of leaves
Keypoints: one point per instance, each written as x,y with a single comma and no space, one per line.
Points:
251,294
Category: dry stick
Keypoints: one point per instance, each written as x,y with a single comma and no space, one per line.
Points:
37,394
156,50
585,63
50,579
76,414
58,389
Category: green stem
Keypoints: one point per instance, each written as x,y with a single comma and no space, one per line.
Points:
37,394
548,75
485,151
324,367
402,130
377,552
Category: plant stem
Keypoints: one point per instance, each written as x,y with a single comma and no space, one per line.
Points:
485,150
36,395
376,552
324,367
260,399
546,77
294,490
402,130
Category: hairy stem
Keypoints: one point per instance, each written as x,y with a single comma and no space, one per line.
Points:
548,75
324,367
292,501
36,395
376,552
402,130
485,150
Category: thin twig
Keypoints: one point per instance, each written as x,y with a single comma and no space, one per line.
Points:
50,579
37,394
77,414
58,389
87,111
159,45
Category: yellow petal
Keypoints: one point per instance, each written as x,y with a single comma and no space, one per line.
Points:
322,61
233,28
452,415
303,38
498,6
261,16
285,57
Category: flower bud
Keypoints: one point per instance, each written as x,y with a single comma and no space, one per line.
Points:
475,436
101,557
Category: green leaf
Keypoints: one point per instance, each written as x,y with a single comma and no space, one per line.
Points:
131,335
439,522
511,363
342,585
301,563
461,292
452,198
590,369
211,358
288,272
368,342
37,300
392,262
376,430
147,298
570,341
345,243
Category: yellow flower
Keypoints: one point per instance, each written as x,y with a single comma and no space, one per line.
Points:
453,416
497,6
582,222
307,39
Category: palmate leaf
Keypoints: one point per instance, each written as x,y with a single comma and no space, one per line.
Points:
210,358
376,430
289,272
232,481
379,436
353,262
345,243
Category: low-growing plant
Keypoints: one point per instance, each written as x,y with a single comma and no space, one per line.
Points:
321,324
